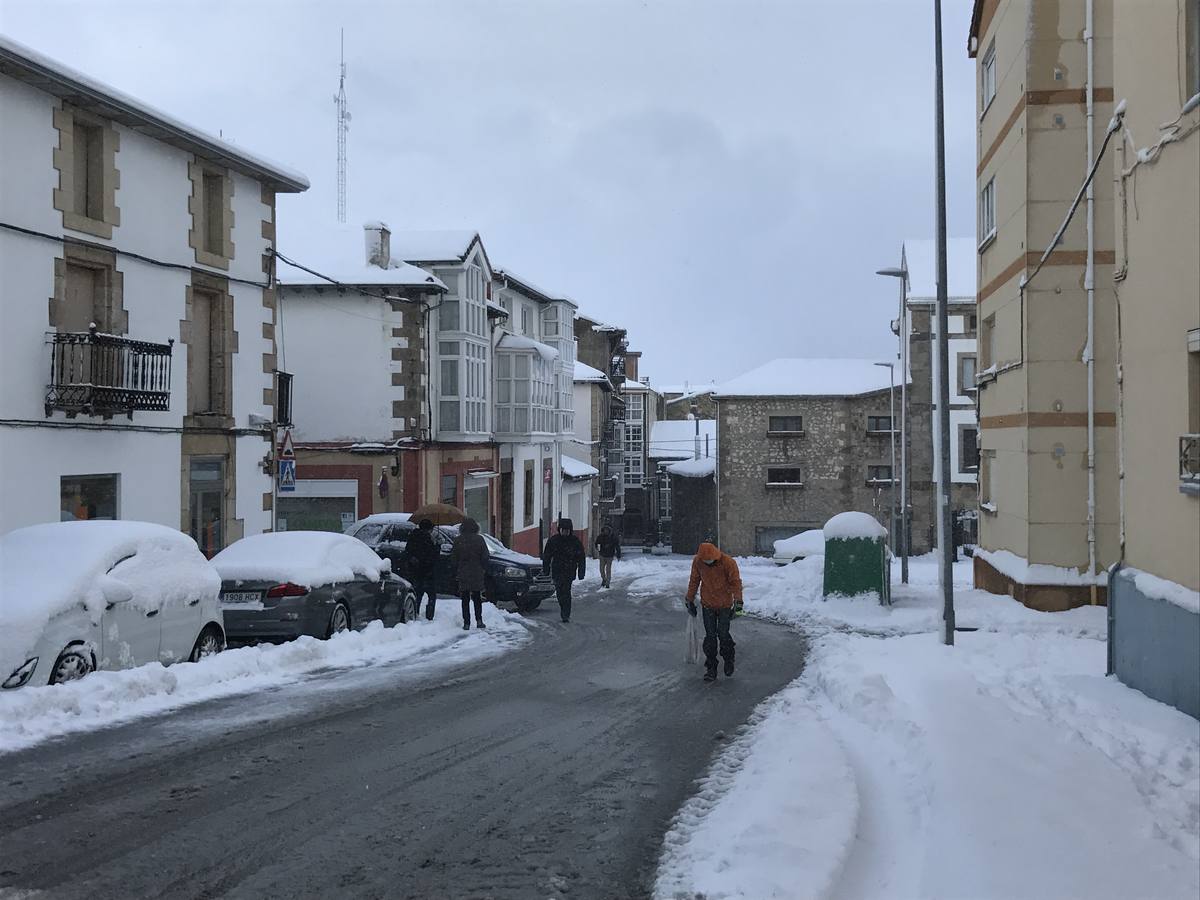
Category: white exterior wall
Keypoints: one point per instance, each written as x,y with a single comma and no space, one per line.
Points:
153,200
584,441
339,350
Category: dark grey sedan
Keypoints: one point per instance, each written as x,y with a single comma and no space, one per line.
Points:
276,587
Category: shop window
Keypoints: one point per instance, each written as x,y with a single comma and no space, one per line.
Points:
529,501
206,482
449,491
88,497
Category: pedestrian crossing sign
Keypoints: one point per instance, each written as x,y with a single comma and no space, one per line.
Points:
287,475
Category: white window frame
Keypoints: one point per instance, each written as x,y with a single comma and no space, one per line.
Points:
987,213
987,78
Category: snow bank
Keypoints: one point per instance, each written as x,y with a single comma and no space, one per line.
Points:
694,468
49,569
808,543
774,817
31,715
850,525
308,558
1022,571
1162,589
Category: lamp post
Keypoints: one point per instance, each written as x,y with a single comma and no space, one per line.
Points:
891,367
902,335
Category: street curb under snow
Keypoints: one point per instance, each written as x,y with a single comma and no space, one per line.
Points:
783,794
30,716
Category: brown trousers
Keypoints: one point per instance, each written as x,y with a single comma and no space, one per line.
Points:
606,569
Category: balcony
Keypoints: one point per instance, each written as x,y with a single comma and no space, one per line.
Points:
1189,463
105,375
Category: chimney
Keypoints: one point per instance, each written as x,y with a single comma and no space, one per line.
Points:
379,244
631,364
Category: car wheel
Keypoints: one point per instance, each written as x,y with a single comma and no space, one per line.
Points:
210,642
408,608
340,620
71,665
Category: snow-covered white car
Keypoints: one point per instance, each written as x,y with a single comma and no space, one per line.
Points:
798,546
80,596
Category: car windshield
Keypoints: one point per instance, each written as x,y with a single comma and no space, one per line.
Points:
493,544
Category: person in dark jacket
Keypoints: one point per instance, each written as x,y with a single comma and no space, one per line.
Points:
565,559
421,558
608,547
470,557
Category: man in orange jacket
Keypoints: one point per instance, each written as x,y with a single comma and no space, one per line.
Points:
720,583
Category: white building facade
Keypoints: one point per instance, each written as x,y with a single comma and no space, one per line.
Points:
137,312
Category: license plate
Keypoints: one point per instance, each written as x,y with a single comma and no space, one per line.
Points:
241,597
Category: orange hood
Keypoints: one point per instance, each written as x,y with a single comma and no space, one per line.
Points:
708,553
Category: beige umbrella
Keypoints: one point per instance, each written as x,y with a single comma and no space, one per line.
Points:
439,514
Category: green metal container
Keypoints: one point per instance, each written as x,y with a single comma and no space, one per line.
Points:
856,557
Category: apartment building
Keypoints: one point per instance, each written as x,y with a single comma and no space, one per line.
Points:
1047,397
137,312
602,348
643,482
799,441
1154,638
585,451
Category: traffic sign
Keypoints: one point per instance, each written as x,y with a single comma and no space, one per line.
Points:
286,450
287,475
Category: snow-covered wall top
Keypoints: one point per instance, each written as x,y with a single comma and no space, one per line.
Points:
694,468
921,259
849,525
584,372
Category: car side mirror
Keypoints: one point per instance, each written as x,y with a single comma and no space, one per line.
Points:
114,591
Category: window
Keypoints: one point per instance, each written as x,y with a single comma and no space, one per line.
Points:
784,476
206,505
450,415
448,316
88,497
214,213
987,78
86,299
529,501
785,424
526,393
966,374
633,471
987,213
987,341
634,407
550,322
986,459
968,448
449,490
664,496
88,148
879,424
876,474
634,437
206,358
526,320
449,385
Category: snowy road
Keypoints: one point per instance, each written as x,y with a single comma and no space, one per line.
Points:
547,771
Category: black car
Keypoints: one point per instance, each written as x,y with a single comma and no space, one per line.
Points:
511,577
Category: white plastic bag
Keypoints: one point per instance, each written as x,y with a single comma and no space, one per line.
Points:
691,637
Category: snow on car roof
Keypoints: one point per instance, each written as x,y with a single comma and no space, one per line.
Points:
308,558
383,519
49,569
809,378
807,543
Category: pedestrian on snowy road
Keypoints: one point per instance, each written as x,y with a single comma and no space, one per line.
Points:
565,559
716,575
470,557
608,547
421,558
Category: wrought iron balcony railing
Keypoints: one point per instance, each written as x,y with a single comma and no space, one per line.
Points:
102,374
1189,462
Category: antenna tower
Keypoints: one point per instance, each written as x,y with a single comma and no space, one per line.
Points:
343,126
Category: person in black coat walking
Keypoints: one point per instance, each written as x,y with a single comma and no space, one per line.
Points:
470,557
566,560
421,558
608,546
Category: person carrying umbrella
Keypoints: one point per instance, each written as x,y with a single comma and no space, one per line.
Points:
720,583
565,559
470,557
421,556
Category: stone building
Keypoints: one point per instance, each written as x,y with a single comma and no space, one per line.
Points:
687,401
138,351
798,441
602,348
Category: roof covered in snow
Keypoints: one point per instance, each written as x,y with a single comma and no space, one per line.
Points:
584,372
575,468
920,257
694,468
49,75
676,439
338,251
686,391
528,288
809,378
433,246
520,342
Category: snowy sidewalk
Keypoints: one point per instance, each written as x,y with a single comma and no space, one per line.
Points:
1006,766
31,715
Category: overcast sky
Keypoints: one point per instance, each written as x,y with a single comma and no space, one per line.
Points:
720,178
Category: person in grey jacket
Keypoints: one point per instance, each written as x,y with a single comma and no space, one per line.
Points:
470,557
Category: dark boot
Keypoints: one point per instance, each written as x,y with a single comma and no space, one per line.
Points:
466,626
710,674
729,666
480,624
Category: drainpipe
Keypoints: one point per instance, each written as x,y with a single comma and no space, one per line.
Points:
1089,283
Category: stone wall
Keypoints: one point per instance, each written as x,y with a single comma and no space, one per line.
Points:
832,454
683,408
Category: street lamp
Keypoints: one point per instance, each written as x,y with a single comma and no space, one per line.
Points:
891,367
902,335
